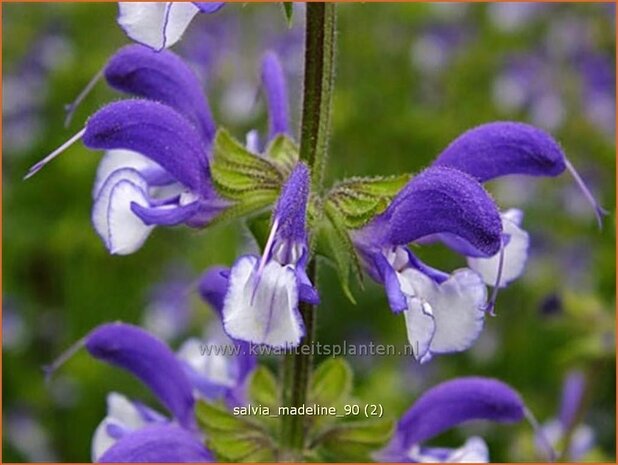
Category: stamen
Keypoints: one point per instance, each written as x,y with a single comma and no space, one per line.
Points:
71,107
549,449
599,211
66,355
265,255
491,305
37,167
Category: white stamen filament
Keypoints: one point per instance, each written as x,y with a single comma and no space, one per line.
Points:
491,305
66,355
265,254
599,211
37,166
71,107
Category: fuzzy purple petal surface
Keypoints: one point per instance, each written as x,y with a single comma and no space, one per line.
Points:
444,200
157,444
291,208
213,286
209,7
162,76
273,81
501,148
454,402
156,131
149,359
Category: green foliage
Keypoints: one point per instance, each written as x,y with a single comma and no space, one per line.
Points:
288,11
283,152
358,200
331,383
233,439
354,441
263,388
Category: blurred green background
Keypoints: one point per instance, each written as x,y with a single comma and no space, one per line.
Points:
410,78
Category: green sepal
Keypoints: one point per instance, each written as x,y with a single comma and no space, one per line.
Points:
232,438
331,382
333,241
283,152
263,388
288,11
354,441
259,226
239,174
358,200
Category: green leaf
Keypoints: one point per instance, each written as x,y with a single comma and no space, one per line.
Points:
232,438
263,388
358,200
331,382
288,11
239,174
355,441
283,152
334,242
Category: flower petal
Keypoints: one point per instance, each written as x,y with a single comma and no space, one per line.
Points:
291,208
158,444
209,7
213,286
120,229
396,299
474,450
444,200
515,253
456,307
420,326
497,149
121,412
137,351
273,80
165,215
156,24
572,395
164,77
457,401
156,131
263,311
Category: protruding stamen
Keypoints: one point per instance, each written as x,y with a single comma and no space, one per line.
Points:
66,355
71,107
549,449
37,167
599,211
269,244
491,305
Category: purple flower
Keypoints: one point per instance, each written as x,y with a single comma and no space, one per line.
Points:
132,431
261,304
156,168
444,313
159,25
448,405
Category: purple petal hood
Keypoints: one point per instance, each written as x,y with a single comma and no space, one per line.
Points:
149,359
164,77
157,444
156,131
501,148
454,402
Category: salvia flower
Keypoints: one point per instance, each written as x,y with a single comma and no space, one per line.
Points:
155,171
159,25
132,431
261,304
446,406
444,313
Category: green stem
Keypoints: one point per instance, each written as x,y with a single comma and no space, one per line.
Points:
315,124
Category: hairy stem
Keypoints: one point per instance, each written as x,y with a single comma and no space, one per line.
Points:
315,124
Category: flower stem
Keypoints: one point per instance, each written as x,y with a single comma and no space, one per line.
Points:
315,124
